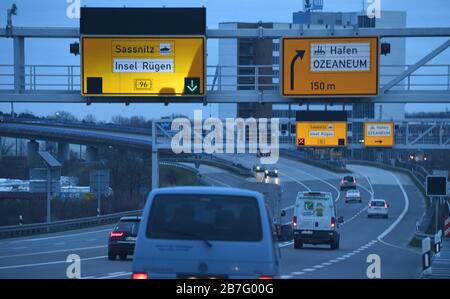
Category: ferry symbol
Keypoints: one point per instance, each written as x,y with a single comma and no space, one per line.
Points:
319,50
164,49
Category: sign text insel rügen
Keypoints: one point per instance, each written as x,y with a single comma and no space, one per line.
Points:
340,57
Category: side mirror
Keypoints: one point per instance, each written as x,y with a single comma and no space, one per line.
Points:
286,233
341,219
283,213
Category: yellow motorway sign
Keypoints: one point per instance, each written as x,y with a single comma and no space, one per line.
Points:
329,66
379,134
143,66
321,134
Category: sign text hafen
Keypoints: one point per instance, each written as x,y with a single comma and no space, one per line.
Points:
340,57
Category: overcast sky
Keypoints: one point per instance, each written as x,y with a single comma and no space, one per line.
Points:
52,13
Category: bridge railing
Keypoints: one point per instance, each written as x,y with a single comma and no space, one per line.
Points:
221,77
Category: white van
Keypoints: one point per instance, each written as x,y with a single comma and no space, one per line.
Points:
315,220
205,232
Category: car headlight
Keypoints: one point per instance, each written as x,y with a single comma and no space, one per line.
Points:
257,167
266,171
276,171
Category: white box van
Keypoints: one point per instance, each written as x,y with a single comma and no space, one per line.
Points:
315,220
205,232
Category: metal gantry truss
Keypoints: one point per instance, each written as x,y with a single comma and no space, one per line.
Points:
25,85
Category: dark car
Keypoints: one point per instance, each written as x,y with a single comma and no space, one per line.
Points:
348,182
259,168
123,237
271,172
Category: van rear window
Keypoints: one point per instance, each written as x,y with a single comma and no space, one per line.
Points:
207,217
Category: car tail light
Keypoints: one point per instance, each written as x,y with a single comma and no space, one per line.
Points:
294,221
139,275
342,182
265,277
354,180
385,205
333,222
116,234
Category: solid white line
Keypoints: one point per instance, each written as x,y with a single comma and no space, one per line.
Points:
116,273
49,263
297,181
53,251
62,236
402,215
113,276
88,277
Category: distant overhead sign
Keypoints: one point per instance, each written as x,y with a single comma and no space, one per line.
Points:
321,129
379,134
143,66
329,66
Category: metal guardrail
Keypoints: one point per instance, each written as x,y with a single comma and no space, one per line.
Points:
62,225
222,77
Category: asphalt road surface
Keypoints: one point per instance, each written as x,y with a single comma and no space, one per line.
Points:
46,256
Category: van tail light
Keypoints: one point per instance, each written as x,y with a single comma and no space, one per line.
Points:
333,222
139,275
116,234
385,205
265,277
294,221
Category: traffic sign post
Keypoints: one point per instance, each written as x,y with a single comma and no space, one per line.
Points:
379,134
329,66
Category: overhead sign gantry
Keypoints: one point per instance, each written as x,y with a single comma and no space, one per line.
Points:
329,66
149,52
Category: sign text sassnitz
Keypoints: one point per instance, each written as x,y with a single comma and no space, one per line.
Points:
329,66
143,66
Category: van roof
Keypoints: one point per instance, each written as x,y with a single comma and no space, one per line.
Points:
314,194
205,190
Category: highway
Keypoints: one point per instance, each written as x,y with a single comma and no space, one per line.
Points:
44,256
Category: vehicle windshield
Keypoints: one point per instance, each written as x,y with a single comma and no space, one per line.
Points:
377,203
348,179
205,217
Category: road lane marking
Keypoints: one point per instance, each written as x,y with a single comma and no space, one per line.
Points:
298,273
326,264
48,263
285,244
319,179
318,266
61,236
334,261
402,215
285,276
308,270
54,251
297,181
116,275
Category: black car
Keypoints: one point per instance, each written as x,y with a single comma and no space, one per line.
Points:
122,239
259,168
348,182
271,172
